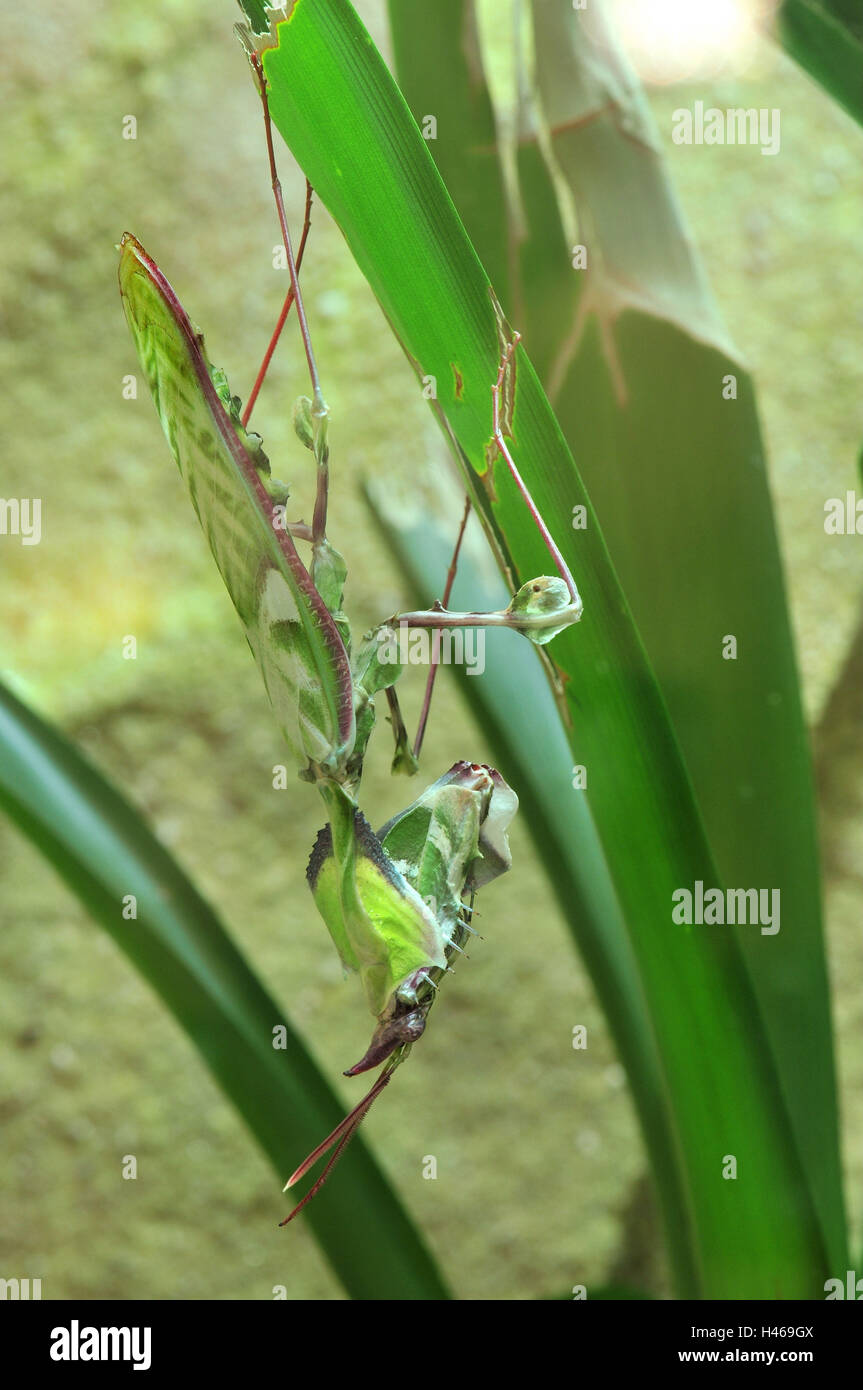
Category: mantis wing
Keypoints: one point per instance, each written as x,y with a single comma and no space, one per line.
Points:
291,632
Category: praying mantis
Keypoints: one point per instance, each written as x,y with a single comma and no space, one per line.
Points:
397,903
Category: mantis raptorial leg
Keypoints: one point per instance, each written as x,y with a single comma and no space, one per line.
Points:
397,903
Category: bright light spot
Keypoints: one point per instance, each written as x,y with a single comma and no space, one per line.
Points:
676,40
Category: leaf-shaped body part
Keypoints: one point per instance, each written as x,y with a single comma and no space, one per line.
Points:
290,630
453,839
380,925
394,902
375,665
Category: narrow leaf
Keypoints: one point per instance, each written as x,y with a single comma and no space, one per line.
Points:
103,851
662,415
829,46
349,128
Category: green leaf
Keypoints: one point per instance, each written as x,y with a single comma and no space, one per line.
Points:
827,41
427,41
349,128
557,816
675,468
651,455
103,851
256,13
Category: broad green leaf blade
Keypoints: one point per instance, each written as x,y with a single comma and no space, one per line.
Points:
103,850
546,287
429,40
828,44
546,294
559,821
675,468
521,265
349,128
290,630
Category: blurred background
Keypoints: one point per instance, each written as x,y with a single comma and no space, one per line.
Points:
92,1068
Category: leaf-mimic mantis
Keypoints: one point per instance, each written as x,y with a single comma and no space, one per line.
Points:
397,903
